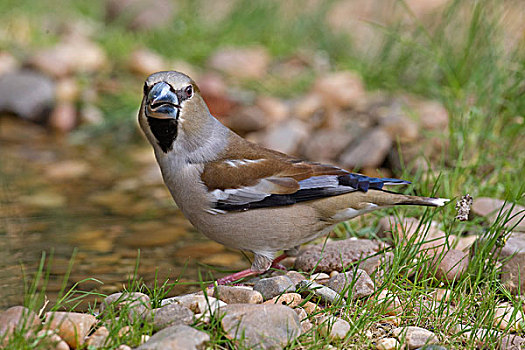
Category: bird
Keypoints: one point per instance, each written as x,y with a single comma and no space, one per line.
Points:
243,195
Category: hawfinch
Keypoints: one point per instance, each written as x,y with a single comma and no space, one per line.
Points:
245,196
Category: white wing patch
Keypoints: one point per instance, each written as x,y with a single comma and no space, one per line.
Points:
323,181
234,163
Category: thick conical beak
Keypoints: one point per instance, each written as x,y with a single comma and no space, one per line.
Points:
162,102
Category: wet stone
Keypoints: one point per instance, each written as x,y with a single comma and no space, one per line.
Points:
170,315
179,337
336,255
354,283
415,337
236,294
70,326
273,286
266,326
324,293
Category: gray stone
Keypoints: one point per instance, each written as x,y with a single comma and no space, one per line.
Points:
511,342
27,94
415,337
286,136
241,62
266,326
138,304
336,255
325,145
247,119
274,286
357,284
490,207
324,293
236,294
369,151
179,337
170,315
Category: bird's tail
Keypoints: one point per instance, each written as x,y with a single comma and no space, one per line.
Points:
415,200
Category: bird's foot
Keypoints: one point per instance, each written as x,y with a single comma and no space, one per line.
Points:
249,272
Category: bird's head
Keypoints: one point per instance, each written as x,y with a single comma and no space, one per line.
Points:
171,106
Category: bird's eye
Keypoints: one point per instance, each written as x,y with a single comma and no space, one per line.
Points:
146,88
188,91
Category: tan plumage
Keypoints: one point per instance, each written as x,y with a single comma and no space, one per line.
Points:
241,194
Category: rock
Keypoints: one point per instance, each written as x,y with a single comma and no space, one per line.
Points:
144,62
511,342
137,304
465,242
319,276
38,93
295,276
324,293
325,145
179,337
507,317
236,294
18,318
307,106
306,325
247,119
274,109
141,15
67,90
289,299
430,238
441,294
490,207
356,284
369,151
399,126
70,326
170,315
377,263
391,301
286,136
336,255
67,169
51,340
513,255
73,55
274,286
215,93
198,304
98,338
246,62
452,265
312,308
123,347
335,328
64,117
8,63
432,115
91,115
266,326
340,89
415,337
387,344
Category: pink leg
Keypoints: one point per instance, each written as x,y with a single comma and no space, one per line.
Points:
247,273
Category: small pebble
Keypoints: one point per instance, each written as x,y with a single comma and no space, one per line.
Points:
387,344
274,286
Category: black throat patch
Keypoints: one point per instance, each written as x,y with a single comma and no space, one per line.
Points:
165,131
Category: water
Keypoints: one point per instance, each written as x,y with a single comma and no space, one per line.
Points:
103,203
